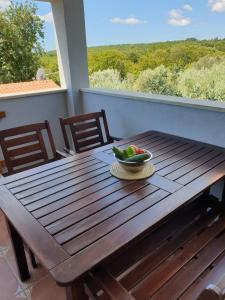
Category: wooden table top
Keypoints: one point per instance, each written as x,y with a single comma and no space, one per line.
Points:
73,213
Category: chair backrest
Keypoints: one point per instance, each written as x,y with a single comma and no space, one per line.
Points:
24,147
87,131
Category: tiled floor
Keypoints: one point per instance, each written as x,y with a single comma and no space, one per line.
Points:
39,287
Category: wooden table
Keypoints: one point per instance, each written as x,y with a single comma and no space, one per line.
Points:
73,214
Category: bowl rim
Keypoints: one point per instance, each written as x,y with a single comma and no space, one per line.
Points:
135,163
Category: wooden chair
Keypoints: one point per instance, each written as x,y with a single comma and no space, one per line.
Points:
87,131
24,147
2,164
175,261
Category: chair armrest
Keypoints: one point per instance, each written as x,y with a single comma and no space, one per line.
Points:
212,292
114,138
62,154
69,151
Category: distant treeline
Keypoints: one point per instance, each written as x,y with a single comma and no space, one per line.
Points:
135,58
176,60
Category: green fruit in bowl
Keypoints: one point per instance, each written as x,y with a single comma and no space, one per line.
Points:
123,154
131,154
138,158
130,160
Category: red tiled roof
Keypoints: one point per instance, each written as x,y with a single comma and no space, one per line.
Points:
30,86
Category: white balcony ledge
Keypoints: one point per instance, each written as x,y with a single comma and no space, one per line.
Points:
31,94
172,100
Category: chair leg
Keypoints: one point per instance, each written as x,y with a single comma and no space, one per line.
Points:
76,291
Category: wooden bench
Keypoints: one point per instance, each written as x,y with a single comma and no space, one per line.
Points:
178,260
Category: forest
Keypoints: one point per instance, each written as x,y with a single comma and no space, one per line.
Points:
191,68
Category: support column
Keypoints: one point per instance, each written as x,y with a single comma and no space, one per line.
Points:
69,22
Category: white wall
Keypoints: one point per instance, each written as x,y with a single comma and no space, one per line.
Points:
33,109
130,114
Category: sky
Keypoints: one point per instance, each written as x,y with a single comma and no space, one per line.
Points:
142,21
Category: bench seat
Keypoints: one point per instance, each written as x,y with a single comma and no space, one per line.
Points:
177,260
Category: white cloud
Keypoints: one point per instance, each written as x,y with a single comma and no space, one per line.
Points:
4,4
176,18
48,18
188,7
128,21
179,22
217,5
175,13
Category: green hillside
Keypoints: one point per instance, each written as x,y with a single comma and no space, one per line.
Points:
128,62
137,57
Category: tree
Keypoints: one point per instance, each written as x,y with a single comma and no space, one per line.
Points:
108,79
50,65
109,59
21,35
203,83
207,62
157,81
111,79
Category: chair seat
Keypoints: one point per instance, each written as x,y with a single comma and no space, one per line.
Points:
176,261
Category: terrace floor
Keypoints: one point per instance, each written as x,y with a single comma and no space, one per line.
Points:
39,287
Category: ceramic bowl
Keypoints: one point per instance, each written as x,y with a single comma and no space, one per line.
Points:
135,167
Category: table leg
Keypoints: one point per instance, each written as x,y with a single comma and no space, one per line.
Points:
33,259
76,291
18,248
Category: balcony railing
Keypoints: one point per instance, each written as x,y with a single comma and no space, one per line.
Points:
127,113
131,113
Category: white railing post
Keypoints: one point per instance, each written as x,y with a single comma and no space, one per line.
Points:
69,22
